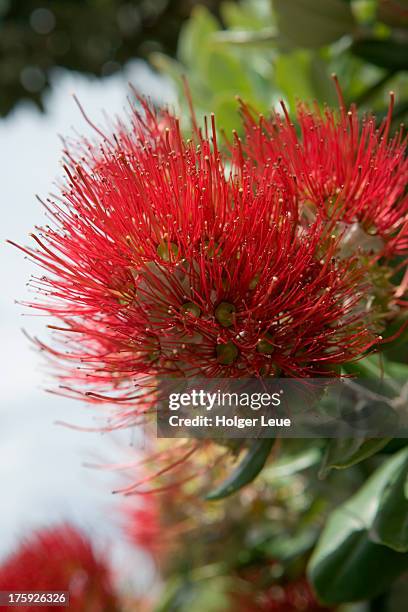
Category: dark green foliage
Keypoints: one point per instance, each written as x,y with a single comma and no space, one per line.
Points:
91,36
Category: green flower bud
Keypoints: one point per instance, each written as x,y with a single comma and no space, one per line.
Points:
224,314
227,353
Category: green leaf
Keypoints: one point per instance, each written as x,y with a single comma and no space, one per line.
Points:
246,471
195,37
371,369
241,17
288,465
367,367
286,547
194,593
226,111
388,54
347,564
361,606
173,69
321,81
224,73
397,345
292,76
313,23
166,65
391,523
355,568
303,75
267,36
344,452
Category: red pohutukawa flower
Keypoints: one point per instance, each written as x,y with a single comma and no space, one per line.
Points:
60,559
350,171
143,527
167,256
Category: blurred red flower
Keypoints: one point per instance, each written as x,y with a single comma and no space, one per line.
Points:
143,527
61,559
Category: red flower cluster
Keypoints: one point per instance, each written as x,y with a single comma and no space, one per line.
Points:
170,257
60,559
348,171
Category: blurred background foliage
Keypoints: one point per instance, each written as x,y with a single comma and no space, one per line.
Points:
262,50
91,36
273,49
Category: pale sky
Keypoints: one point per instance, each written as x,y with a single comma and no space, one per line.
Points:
42,478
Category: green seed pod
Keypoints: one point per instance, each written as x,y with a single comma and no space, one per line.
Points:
192,309
227,353
264,346
224,314
168,251
254,282
211,250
